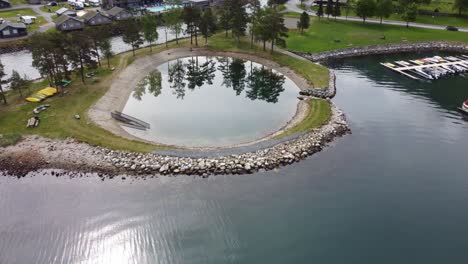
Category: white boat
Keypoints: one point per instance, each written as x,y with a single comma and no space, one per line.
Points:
464,108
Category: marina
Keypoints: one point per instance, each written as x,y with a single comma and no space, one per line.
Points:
431,68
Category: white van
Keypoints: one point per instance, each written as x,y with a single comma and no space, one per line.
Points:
28,20
94,2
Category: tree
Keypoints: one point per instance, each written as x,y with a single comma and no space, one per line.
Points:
225,15
239,20
131,34
2,74
81,52
150,29
274,28
106,50
192,18
304,22
207,24
383,9
460,5
337,9
17,83
256,11
97,35
329,8
173,20
320,10
410,13
365,9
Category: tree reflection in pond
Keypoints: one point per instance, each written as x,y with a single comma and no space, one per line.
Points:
261,83
264,84
151,84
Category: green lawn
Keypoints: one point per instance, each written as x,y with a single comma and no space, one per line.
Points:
18,2
9,139
319,114
435,20
332,34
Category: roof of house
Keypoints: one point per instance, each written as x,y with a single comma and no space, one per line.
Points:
61,10
89,15
63,18
15,25
6,1
115,10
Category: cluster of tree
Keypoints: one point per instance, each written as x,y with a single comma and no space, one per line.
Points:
460,6
384,8
55,54
333,8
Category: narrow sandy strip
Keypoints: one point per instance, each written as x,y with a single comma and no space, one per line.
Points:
125,82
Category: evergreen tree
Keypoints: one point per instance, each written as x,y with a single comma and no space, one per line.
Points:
337,9
17,83
2,74
320,10
365,9
225,15
256,9
410,13
460,5
173,20
207,24
329,8
239,20
384,8
150,29
304,22
106,50
131,34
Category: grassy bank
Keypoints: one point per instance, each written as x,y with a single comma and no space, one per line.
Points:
324,35
58,121
316,75
319,114
9,139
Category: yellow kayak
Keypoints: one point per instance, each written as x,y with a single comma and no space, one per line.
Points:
42,94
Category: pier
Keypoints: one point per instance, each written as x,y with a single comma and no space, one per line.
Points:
130,121
430,68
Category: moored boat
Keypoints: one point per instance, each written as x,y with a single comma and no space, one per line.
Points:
464,108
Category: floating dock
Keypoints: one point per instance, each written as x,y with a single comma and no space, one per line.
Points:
431,68
130,121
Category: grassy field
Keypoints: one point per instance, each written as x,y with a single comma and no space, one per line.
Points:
58,121
9,139
332,34
435,20
319,114
18,2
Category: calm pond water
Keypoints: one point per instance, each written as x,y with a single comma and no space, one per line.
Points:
394,191
212,101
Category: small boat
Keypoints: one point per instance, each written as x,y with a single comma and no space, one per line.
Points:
40,108
464,108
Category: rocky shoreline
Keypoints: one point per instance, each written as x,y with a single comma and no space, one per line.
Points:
386,49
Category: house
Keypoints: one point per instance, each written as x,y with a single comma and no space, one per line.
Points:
93,18
5,3
11,30
68,23
202,4
122,3
118,13
65,11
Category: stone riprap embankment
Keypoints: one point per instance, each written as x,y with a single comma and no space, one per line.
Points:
325,93
265,159
385,49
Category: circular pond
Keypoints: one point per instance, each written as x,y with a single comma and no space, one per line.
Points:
205,101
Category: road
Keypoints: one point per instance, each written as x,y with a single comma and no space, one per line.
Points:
292,6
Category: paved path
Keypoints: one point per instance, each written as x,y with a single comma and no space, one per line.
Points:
292,6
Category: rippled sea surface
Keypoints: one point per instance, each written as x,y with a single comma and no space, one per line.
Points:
395,191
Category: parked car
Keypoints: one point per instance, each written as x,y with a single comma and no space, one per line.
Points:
52,4
451,28
2,20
